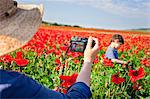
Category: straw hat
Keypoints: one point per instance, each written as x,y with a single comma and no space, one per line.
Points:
18,23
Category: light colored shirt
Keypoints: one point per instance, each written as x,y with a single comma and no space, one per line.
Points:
111,53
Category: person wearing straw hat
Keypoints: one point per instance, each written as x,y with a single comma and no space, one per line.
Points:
18,23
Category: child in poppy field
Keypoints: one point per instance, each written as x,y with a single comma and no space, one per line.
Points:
112,51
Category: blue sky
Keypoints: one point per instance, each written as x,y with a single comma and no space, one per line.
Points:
105,14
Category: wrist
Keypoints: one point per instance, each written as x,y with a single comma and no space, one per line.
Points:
87,62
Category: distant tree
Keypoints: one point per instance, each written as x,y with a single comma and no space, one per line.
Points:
77,26
67,25
56,24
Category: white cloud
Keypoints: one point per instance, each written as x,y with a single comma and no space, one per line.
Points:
126,8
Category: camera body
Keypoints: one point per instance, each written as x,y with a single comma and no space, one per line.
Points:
78,44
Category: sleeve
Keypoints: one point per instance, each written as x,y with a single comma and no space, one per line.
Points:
25,87
115,54
110,54
79,90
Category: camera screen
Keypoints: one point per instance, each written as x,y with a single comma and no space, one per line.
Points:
77,46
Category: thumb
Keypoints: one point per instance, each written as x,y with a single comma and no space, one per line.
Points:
89,43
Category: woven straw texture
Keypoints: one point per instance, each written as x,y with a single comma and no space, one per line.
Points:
19,26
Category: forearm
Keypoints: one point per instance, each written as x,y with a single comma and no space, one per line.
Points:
118,61
85,73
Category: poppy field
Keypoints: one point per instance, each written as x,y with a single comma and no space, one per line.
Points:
44,57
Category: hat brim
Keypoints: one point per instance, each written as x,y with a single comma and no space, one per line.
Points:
21,26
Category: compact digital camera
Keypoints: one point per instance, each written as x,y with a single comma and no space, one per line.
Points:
78,44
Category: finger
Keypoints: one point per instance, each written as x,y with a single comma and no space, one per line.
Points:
96,47
89,43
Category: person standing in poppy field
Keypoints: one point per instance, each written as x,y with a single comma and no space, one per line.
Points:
18,23
112,51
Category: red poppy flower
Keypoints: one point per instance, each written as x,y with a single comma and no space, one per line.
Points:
146,62
58,67
63,48
136,74
107,62
57,61
68,80
76,61
58,53
19,55
96,60
116,79
75,55
7,58
103,56
21,62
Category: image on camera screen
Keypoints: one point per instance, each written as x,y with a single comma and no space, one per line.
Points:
77,46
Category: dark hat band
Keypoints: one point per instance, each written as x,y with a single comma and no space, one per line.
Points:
10,11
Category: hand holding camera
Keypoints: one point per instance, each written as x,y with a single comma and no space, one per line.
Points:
91,51
78,44
90,47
